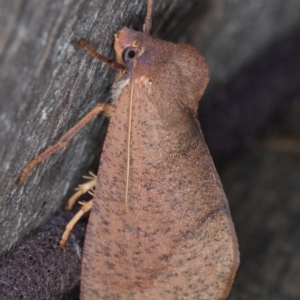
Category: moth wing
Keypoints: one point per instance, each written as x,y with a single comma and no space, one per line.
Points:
174,237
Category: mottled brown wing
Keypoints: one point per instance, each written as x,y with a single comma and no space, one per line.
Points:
174,239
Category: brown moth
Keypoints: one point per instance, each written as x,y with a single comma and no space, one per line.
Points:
160,225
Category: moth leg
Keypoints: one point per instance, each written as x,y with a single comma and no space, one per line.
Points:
82,189
62,143
86,206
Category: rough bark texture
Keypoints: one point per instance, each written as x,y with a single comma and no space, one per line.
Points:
46,86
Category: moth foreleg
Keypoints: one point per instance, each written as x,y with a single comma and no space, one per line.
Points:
62,143
82,189
86,206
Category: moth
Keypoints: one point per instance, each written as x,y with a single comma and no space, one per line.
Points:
160,225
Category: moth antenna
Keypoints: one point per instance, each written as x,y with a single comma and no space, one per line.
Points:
100,57
148,20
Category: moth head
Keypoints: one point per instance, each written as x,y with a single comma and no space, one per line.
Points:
176,69
129,46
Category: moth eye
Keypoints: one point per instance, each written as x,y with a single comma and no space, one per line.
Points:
128,54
